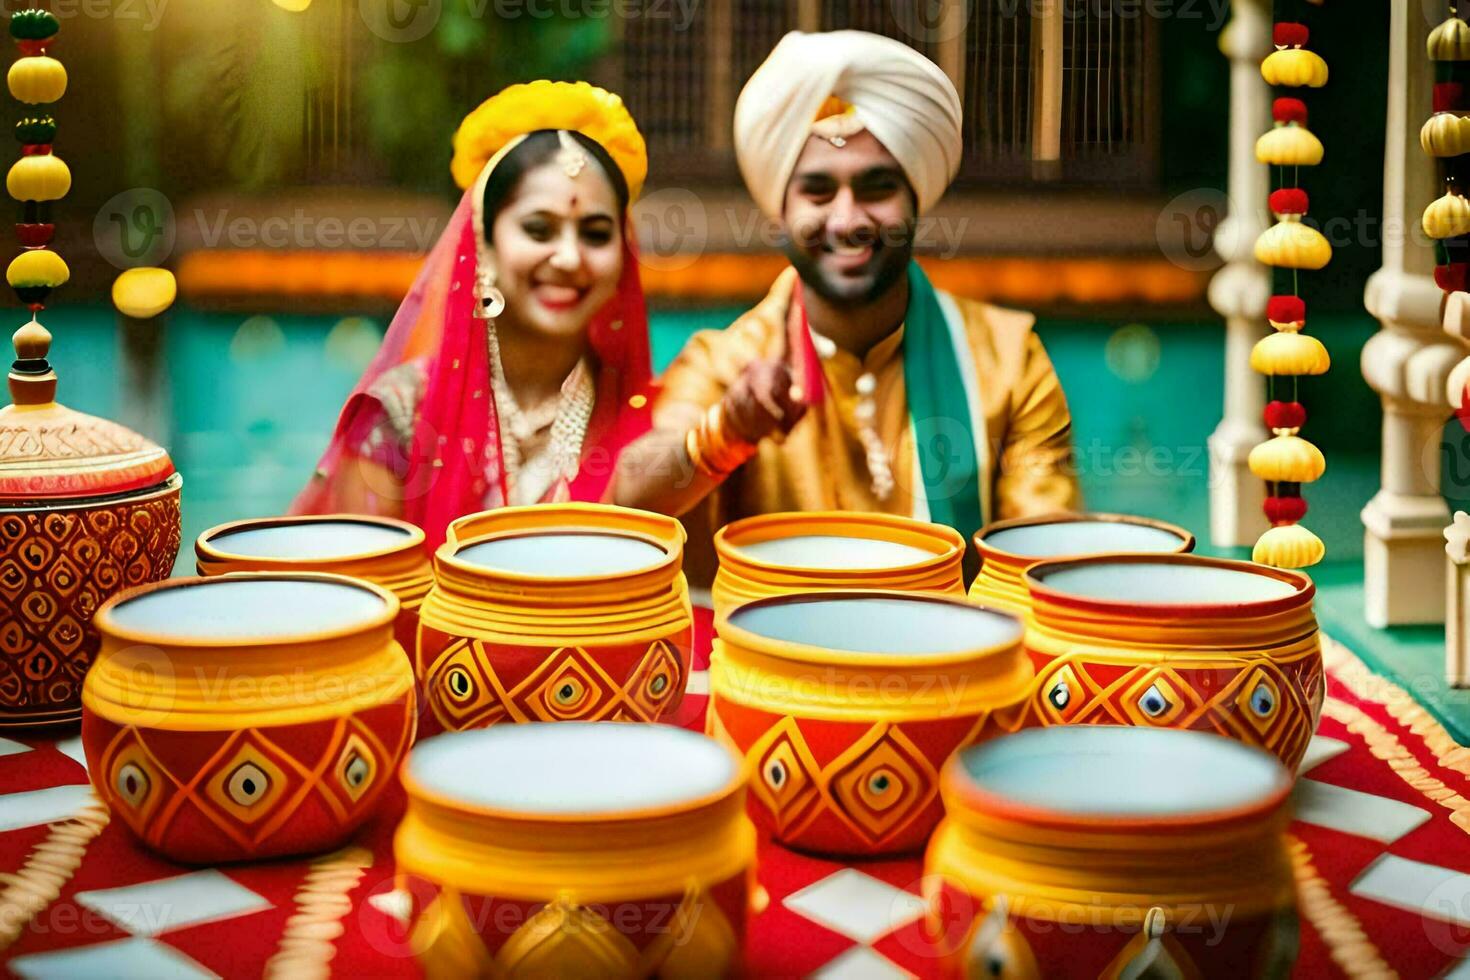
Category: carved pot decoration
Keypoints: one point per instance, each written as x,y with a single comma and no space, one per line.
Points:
1096,851
556,612
576,850
846,705
1177,641
87,509
1006,548
247,716
380,550
778,554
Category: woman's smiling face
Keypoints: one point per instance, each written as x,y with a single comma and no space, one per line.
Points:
558,248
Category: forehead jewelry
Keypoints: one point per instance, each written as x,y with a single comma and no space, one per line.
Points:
573,158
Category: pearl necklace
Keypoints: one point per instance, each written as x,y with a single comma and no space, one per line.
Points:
568,417
880,467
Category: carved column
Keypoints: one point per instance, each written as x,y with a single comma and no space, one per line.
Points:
1239,291
1409,360
1457,601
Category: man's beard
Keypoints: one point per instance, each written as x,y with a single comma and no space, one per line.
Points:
891,260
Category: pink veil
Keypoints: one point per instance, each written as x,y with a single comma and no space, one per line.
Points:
455,465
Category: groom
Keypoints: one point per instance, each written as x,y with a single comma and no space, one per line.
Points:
855,384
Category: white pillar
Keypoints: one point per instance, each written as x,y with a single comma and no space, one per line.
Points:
1239,291
1457,601
1409,360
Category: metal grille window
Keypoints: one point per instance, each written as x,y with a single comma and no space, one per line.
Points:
1052,89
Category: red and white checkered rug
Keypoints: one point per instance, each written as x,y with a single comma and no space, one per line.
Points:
1382,837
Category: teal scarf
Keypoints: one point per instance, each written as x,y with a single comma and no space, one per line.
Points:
944,433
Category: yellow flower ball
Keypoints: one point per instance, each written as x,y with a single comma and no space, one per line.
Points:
1447,217
1450,41
1445,134
1289,353
37,267
1289,146
1288,546
38,178
1289,244
1294,68
37,80
144,292
520,109
1287,459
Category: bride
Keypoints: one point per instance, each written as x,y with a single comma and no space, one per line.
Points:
514,371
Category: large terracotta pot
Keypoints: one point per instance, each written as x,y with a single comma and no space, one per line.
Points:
247,716
1177,641
1006,548
576,850
87,508
380,550
556,612
846,705
1109,852
813,551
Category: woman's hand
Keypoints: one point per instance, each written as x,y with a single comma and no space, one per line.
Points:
764,400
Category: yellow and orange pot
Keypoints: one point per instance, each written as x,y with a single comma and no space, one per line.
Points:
1110,852
576,850
246,716
846,705
556,612
778,554
1006,548
381,550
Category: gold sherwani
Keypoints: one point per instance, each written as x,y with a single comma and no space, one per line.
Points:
1027,467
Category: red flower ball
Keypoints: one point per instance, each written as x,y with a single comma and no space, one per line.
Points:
1449,96
1288,200
1453,278
1286,309
1289,35
1285,510
1285,415
1289,110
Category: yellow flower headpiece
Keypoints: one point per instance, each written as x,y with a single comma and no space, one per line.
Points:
520,109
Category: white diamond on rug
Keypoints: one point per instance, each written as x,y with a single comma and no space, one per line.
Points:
10,747
155,907
1319,750
1428,889
397,904
72,749
856,905
861,963
1352,812
42,806
124,959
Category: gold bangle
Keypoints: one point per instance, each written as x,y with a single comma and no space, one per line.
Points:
713,449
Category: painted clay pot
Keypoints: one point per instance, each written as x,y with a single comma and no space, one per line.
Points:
1006,548
1097,851
380,550
87,508
1177,641
814,551
246,716
556,612
846,705
576,850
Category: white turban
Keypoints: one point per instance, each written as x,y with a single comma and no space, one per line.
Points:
898,95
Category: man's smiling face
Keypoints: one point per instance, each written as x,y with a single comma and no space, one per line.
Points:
849,219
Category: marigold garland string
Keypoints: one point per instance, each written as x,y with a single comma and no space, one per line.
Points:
40,177
1286,461
1446,138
